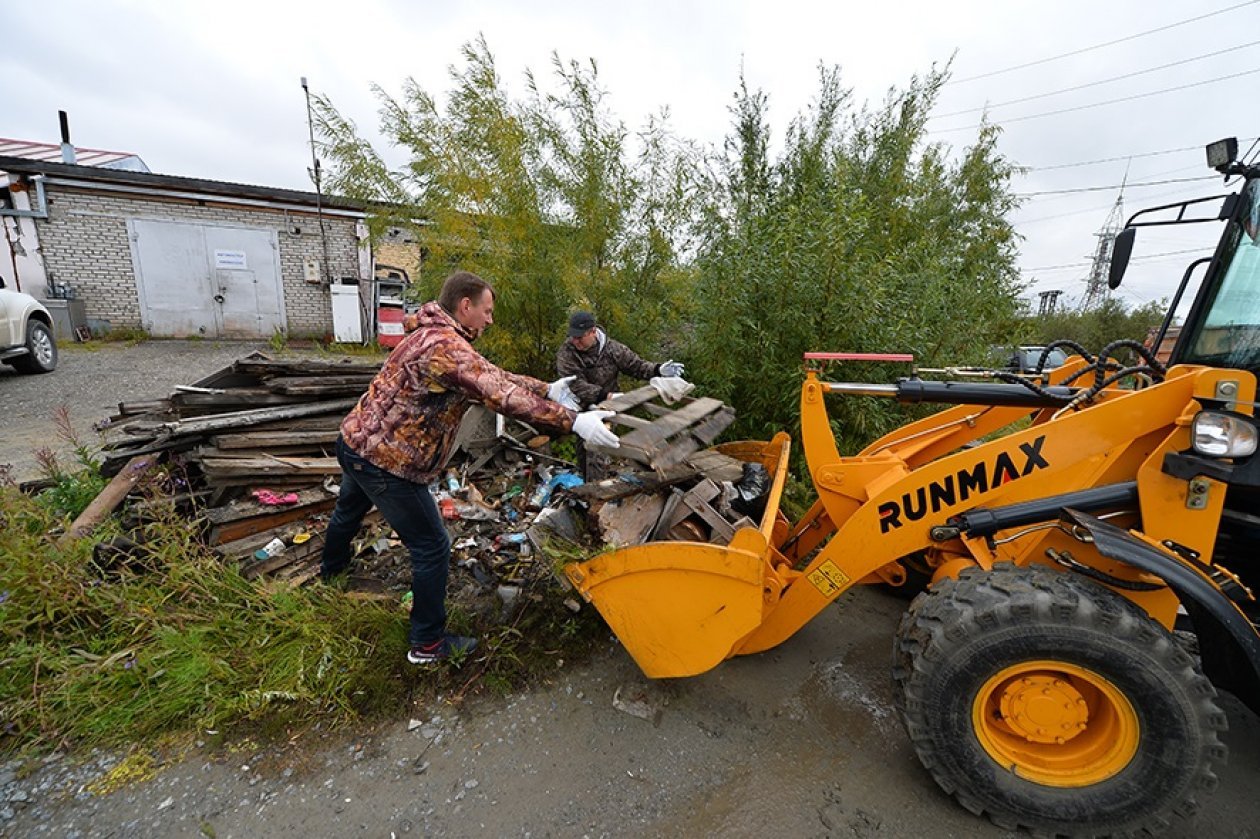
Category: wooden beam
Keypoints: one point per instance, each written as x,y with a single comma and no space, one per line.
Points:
630,399
109,498
242,419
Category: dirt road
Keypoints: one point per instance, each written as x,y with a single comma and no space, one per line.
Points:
800,741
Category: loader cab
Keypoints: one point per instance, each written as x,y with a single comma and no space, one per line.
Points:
1222,328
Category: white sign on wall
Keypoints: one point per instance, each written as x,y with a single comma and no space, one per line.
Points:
230,260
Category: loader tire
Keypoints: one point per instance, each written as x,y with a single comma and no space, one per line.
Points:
1050,703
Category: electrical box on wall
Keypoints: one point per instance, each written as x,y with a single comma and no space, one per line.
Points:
311,271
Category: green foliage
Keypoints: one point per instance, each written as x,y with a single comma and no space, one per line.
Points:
72,489
171,639
861,236
541,195
370,350
125,334
279,340
1097,327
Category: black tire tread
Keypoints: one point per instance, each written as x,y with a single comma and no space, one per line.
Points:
981,601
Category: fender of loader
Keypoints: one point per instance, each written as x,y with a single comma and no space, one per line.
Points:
681,608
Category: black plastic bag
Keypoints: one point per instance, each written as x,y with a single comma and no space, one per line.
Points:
751,491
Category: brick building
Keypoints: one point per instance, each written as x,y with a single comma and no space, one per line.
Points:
177,256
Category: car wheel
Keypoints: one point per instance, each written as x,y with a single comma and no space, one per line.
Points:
41,356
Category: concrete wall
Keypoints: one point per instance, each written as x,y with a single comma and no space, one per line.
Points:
84,244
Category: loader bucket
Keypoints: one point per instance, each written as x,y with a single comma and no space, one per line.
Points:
681,608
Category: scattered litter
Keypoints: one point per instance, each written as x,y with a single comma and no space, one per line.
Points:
274,499
633,700
250,451
270,549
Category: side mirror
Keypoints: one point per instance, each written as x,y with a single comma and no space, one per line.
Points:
1121,250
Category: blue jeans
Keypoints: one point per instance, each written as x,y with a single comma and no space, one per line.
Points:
410,509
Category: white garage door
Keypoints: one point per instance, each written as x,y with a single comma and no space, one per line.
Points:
216,281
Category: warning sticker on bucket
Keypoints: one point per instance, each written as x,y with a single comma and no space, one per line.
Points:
828,579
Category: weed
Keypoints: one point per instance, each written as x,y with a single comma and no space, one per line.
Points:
372,350
70,492
125,335
103,655
565,448
279,340
135,768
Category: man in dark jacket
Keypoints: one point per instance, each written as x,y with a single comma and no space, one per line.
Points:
594,361
398,437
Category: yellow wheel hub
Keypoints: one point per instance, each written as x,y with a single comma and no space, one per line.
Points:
1056,724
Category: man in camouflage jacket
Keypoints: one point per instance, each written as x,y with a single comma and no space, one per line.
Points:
399,436
596,360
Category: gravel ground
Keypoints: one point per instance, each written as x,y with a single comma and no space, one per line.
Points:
798,741
90,381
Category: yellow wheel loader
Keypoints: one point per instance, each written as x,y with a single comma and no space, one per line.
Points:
1082,529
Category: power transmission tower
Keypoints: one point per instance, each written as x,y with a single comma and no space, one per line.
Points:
1049,301
1096,289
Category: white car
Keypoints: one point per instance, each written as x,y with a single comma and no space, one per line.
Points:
26,334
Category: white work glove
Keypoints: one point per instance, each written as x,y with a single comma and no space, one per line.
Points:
671,388
559,391
671,368
589,425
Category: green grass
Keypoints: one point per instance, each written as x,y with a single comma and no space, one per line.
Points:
371,350
173,641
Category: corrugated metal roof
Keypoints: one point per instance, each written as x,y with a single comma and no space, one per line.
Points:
105,175
49,152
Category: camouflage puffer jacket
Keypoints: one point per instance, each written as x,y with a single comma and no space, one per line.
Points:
597,368
407,420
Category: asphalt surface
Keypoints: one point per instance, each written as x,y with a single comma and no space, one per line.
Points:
89,382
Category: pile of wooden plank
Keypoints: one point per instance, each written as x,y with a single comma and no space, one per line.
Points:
254,446
668,484
257,422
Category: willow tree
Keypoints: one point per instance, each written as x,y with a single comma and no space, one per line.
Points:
544,194
861,235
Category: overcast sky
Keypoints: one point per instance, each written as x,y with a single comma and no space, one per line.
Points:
211,89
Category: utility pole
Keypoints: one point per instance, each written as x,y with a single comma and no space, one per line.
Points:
319,193
1049,301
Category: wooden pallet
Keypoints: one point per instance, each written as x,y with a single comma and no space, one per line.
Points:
669,434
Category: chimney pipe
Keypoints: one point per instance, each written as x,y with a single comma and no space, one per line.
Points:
67,150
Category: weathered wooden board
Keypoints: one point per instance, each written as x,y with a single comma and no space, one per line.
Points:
669,434
244,419
630,520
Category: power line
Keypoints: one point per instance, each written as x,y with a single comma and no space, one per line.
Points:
1110,159
1112,187
1102,104
1100,46
1147,199
1094,84
1144,258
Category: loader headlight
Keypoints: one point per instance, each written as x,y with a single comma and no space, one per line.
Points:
1218,434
